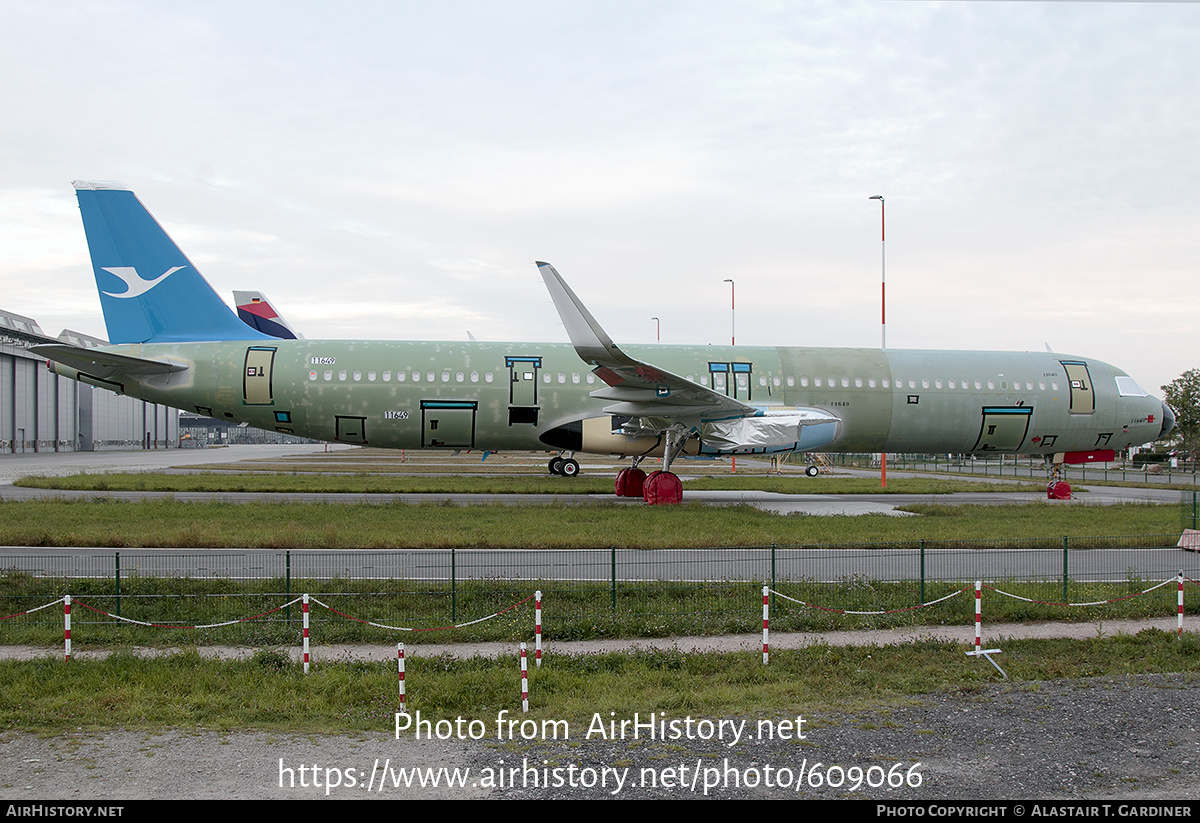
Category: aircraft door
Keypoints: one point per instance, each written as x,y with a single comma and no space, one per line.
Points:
350,429
741,381
1003,428
1083,399
720,376
523,389
256,381
731,379
448,424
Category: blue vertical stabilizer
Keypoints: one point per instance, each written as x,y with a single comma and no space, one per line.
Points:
149,291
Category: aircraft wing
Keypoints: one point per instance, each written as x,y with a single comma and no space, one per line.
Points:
637,389
105,365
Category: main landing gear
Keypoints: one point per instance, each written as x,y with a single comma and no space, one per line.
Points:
659,488
1057,489
564,465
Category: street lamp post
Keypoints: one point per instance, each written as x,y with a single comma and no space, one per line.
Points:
882,312
732,317
882,274
657,329
732,342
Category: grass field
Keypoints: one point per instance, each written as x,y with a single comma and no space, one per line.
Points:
171,523
270,692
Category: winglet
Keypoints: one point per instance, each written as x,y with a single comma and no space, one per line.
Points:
591,342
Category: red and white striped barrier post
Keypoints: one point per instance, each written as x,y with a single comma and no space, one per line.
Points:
979,650
537,628
766,620
1179,622
978,615
67,626
305,610
524,681
400,673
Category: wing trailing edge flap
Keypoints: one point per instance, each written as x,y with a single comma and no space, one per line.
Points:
106,365
638,389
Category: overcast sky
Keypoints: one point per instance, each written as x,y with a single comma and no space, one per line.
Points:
394,169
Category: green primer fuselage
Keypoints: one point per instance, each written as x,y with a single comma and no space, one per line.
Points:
513,396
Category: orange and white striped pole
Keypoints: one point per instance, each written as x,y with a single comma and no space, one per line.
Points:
1179,621
978,615
67,626
537,629
766,620
524,681
400,673
305,611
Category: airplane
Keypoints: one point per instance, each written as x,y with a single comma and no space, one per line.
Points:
255,310
175,342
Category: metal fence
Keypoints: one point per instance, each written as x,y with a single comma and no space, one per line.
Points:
590,592
1034,469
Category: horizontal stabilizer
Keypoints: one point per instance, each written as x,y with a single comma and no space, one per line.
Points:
105,365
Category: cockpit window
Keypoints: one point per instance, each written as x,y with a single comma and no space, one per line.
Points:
1128,387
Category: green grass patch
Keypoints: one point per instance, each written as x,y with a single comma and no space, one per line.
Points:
571,610
174,524
269,692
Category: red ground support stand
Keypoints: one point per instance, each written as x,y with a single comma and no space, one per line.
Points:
1058,490
662,489
630,482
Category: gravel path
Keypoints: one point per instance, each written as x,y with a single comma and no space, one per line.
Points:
1134,737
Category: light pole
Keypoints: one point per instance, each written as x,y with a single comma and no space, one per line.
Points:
732,316
882,313
657,329
732,342
882,273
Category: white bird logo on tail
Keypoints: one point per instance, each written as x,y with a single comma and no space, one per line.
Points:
136,285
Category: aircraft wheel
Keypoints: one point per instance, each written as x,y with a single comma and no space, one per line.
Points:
812,471
569,468
662,489
630,482
556,465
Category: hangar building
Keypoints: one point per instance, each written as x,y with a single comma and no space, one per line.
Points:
42,412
